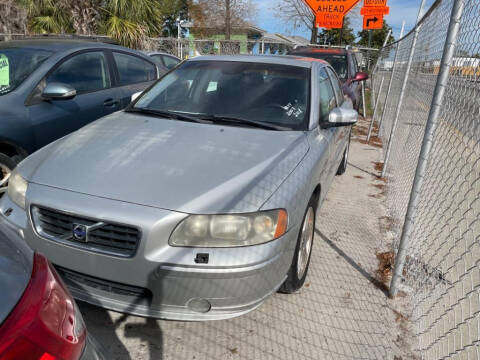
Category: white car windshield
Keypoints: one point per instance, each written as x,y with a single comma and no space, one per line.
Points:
16,64
267,93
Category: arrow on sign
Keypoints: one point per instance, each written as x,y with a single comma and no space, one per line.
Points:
374,20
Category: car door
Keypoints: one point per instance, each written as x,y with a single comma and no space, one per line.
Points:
342,134
89,74
328,102
133,74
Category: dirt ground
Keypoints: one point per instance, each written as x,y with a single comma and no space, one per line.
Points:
343,311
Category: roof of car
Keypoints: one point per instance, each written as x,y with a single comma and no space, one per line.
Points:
150,53
314,50
300,61
56,45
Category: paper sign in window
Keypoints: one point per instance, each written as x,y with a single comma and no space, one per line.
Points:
4,71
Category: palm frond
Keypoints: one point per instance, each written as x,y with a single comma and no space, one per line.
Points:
126,32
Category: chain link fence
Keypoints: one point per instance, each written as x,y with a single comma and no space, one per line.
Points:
441,275
184,47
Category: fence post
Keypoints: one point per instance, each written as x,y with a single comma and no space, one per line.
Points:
432,122
375,110
363,100
372,73
402,92
373,91
390,83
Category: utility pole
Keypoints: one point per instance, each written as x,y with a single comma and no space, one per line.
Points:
228,25
314,32
369,46
341,32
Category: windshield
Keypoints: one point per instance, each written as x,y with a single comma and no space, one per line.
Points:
267,93
338,62
16,64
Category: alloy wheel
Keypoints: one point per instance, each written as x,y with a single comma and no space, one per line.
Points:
306,240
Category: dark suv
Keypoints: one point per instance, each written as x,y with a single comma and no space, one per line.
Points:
51,87
345,64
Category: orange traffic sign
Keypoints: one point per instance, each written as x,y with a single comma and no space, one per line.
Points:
372,22
330,13
375,10
375,3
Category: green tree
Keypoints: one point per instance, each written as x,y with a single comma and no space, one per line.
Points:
378,36
173,10
127,21
332,36
46,16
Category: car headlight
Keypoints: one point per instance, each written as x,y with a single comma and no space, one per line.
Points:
17,188
230,230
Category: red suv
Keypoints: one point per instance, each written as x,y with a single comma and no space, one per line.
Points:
345,64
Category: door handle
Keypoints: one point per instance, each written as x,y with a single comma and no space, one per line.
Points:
110,102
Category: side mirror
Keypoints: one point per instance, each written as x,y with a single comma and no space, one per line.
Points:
360,76
342,116
135,96
58,91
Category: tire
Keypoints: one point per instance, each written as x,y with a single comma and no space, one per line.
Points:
303,252
7,164
343,165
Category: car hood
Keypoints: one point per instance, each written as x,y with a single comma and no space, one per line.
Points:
169,164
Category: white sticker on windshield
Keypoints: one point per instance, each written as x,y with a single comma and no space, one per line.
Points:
4,71
292,110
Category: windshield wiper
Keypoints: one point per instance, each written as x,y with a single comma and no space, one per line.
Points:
169,114
238,120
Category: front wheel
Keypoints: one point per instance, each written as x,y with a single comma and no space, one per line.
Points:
303,251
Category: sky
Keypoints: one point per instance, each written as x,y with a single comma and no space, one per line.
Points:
267,18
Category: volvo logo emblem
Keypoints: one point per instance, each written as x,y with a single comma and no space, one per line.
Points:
79,232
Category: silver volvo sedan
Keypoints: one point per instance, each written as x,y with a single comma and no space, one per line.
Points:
198,201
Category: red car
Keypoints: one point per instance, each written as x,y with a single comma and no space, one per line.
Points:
39,320
345,64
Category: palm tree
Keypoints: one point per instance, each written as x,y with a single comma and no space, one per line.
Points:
46,16
127,21
12,18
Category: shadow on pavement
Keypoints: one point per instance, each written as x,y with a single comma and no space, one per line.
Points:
378,284
365,171
101,326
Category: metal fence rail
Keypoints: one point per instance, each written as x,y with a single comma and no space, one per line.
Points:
433,190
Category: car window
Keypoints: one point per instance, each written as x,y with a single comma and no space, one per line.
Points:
336,86
132,69
157,59
355,64
353,70
170,62
327,95
338,61
84,72
277,94
16,64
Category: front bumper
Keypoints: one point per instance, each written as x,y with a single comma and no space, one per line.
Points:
159,281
